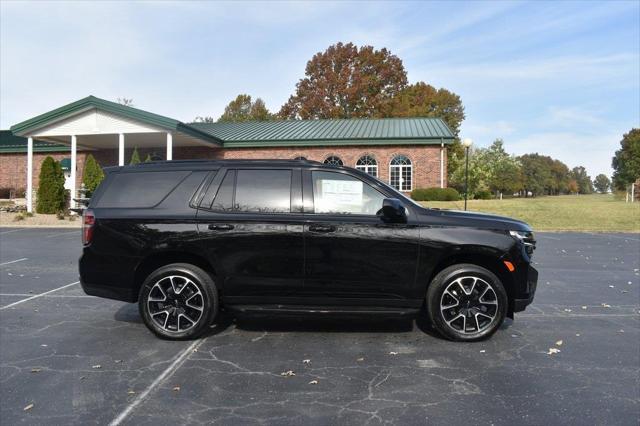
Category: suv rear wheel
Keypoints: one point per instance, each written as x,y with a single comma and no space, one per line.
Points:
178,301
466,302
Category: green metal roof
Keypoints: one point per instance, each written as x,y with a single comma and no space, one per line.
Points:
23,128
360,131
12,143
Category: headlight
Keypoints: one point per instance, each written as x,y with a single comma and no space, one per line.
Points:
527,239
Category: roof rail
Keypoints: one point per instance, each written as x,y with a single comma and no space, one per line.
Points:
227,161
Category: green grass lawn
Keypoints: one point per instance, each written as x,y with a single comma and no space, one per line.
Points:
561,213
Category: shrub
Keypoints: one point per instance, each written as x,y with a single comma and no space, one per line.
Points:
18,217
435,194
483,195
51,192
135,157
92,175
28,214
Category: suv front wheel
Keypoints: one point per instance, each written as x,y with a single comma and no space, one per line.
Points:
466,302
178,301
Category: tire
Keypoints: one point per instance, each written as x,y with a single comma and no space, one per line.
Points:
481,303
190,302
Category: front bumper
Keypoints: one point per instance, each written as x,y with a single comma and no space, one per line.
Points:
519,304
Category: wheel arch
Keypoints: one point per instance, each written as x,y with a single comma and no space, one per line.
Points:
158,259
493,263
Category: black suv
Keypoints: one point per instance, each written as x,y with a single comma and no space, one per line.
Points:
185,239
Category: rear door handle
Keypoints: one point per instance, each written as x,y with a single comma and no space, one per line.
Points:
220,227
322,228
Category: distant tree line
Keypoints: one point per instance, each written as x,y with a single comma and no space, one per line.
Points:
493,171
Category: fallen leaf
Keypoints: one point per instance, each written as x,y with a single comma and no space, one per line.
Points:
306,361
553,351
559,343
612,286
313,382
482,351
36,370
131,392
287,373
393,353
28,407
360,359
176,388
96,366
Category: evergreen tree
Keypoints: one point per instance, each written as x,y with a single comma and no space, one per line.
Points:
51,192
92,175
135,157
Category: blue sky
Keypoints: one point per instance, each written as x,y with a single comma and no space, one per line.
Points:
559,78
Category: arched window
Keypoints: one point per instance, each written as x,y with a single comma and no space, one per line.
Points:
368,164
333,161
400,173
301,158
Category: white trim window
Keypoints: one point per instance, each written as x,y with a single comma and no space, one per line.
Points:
401,173
368,164
333,161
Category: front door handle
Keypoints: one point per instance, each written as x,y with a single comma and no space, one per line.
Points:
220,227
322,228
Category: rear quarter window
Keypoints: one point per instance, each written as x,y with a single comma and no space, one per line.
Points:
140,190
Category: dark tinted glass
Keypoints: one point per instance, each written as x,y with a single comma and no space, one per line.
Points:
224,197
264,191
140,190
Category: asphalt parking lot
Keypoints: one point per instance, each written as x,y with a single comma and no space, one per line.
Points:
67,358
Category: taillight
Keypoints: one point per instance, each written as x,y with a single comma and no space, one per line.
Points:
88,220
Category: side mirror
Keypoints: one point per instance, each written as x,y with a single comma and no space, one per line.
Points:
392,211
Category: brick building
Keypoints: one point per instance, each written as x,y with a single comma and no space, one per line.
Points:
407,153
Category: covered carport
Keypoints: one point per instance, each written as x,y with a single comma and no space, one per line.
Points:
93,124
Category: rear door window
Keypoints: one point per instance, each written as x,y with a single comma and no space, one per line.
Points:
263,191
140,190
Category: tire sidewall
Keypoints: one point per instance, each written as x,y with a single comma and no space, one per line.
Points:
440,283
201,279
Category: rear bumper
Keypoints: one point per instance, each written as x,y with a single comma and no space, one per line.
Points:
519,304
109,292
110,277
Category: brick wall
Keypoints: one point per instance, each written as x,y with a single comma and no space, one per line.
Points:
425,160
13,169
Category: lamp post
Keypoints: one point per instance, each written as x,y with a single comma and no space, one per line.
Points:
466,142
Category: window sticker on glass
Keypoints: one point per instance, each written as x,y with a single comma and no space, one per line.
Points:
341,195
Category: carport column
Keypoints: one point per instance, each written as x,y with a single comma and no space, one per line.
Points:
74,148
121,149
169,147
30,174
442,165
